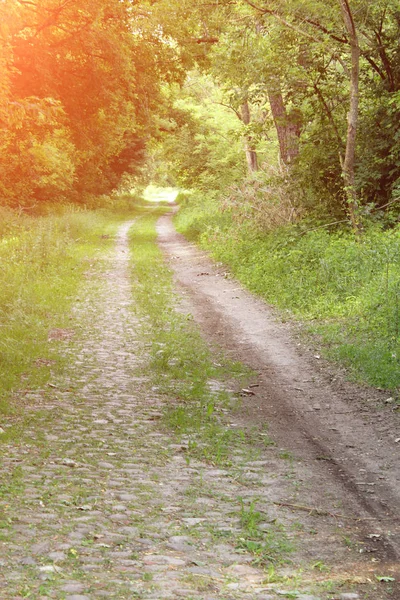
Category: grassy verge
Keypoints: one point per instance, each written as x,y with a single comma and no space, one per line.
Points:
348,293
42,262
181,365
195,383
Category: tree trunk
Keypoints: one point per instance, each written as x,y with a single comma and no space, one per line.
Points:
287,129
348,168
251,154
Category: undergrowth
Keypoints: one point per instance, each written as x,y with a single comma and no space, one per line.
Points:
347,292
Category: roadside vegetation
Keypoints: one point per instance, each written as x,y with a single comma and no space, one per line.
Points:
42,262
346,292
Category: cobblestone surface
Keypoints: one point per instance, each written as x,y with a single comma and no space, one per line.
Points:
105,504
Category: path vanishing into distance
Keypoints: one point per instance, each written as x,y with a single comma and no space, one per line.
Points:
103,502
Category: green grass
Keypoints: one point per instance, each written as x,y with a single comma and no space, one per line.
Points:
347,293
42,262
180,364
266,546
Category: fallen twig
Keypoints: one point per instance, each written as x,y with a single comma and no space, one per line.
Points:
326,513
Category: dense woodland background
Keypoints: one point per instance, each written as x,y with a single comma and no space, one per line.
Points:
279,120
91,90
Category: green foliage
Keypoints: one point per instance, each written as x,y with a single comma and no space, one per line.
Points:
80,82
203,215
266,546
348,292
40,156
290,63
200,144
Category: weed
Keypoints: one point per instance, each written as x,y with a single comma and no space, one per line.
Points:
270,549
13,485
320,566
348,542
267,546
73,554
286,455
200,582
250,518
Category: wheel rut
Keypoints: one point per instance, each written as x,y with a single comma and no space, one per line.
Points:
333,426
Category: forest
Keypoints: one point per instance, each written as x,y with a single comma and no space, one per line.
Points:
277,120
199,299
88,89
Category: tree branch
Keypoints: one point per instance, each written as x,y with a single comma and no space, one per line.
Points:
267,11
55,13
315,24
237,113
373,64
331,119
207,40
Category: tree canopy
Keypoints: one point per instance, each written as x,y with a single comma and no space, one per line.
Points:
320,78
80,85
306,88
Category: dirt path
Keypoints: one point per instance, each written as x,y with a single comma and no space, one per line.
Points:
99,501
347,437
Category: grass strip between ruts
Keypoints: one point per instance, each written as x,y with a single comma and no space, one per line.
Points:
180,363
194,382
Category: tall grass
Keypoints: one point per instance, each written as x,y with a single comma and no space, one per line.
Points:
347,292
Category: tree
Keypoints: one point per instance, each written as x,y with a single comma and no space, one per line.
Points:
200,141
307,66
350,156
81,87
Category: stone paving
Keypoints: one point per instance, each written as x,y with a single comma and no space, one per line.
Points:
102,502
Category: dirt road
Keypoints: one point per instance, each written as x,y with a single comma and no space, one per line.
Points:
346,436
98,498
